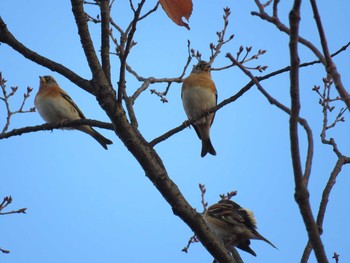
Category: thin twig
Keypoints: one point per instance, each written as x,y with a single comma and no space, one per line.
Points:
203,191
6,97
52,126
151,80
330,67
125,52
342,160
193,239
324,202
282,27
216,49
5,202
150,11
284,108
325,59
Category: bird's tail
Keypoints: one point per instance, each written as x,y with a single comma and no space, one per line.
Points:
96,135
207,147
245,247
259,236
101,139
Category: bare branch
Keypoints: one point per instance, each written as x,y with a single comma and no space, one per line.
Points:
125,52
342,160
85,38
52,126
9,39
130,108
5,202
324,202
282,27
216,49
115,25
275,8
6,98
193,239
329,64
151,80
325,59
150,11
284,108
301,192
203,191
105,18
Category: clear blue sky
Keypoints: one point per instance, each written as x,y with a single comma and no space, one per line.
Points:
89,205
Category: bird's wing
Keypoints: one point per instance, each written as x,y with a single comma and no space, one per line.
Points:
227,212
71,102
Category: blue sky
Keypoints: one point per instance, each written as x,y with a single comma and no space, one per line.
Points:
86,204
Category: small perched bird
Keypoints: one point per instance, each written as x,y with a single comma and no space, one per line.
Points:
198,96
54,105
234,225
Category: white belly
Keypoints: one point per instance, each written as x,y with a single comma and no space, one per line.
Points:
52,111
197,100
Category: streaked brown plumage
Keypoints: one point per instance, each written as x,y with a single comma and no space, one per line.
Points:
234,225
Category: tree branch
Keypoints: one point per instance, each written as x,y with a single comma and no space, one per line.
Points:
301,192
53,126
325,59
324,202
330,66
85,38
7,38
284,108
138,146
5,202
150,11
125,52
105,47
282,27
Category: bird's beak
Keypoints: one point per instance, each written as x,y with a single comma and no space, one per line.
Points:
42,79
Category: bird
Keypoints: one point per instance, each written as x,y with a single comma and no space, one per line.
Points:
234,225
198,95
55,105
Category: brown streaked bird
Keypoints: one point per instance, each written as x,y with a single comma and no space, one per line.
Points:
198,96
234,225
54,105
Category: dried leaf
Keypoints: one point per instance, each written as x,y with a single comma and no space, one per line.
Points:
176,9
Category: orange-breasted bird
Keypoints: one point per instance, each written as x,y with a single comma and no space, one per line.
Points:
198,96
234,225
54,105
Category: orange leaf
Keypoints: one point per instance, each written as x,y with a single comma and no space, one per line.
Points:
176,9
